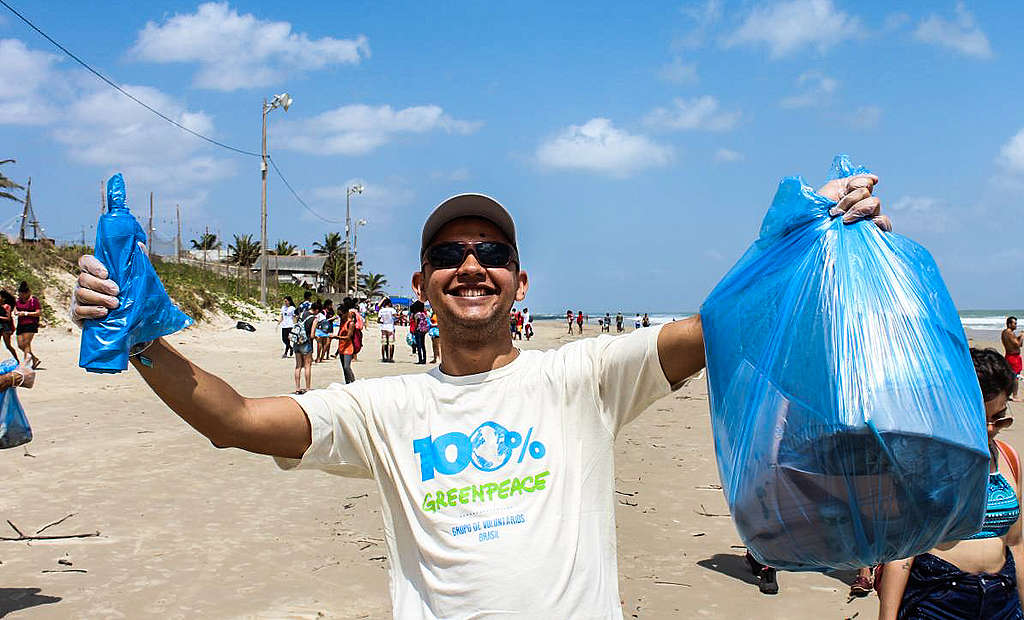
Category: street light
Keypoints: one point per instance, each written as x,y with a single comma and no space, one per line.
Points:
352,189
355,250
283,100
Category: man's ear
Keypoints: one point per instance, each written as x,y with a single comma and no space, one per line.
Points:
524,285
417,286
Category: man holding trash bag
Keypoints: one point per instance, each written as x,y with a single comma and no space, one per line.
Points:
497,455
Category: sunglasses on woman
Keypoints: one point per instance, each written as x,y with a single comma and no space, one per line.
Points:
452,254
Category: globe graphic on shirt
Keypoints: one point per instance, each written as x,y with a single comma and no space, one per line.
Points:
491,446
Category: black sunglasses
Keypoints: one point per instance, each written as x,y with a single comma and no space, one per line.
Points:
453,253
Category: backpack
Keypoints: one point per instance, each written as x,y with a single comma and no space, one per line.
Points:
357,341
298,336
422,323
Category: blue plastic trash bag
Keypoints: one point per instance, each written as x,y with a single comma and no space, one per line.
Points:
146,312
849,426
14,428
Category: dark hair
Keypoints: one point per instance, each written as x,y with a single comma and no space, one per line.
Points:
1010,318
6,297
317,306
23,287
307,295
417,306
288,298
386,302
328,304
994,373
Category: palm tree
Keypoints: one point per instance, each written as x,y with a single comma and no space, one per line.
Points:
337,257
373,284
6,183
284,248
331,245
244,251
208,241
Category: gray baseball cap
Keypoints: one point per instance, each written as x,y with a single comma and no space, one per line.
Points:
468,205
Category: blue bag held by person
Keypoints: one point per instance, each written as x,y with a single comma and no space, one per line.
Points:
146,312
14,428
849,426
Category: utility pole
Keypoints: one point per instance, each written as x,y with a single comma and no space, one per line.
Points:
149,234
83,234
263,212
177,241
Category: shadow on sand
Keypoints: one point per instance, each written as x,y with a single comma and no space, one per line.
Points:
16,599
736,566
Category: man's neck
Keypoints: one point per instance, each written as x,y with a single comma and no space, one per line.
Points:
461,359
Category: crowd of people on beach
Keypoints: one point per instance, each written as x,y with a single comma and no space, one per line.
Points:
579,319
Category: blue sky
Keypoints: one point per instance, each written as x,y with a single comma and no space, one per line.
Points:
638,146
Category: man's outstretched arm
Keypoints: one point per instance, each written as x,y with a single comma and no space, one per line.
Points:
276,426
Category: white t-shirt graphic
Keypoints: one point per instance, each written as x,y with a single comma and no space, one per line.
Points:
386,317
287,317
497,488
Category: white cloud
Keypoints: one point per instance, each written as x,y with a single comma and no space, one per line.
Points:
786,27
914,204
728,155
704,15
29,76
815,89
459,174
961,33
866,117
358,129
241,51
106,129
678,72
698,113
598,146
1012,154
376,204
895,21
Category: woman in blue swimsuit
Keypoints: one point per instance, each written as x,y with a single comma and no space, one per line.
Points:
976,577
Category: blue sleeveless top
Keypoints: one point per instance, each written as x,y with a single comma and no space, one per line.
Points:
1001,510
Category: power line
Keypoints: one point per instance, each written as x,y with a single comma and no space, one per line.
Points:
121,90
296,194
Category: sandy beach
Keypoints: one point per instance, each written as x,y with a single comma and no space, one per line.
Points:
187,530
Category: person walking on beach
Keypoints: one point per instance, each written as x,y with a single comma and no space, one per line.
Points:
1012,342
306,304
419,325
977,577
646,321
28,311
568,319
286,323
618,323
465,515
435,337
386,318
302,346
607,323
346,343
7,304
579,321
527,324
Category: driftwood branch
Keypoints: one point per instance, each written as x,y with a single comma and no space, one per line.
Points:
57,522
704,513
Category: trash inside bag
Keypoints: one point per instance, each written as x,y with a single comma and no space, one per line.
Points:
14,427
146,312
849,426
243,325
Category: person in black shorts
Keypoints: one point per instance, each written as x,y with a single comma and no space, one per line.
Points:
28,312
7,320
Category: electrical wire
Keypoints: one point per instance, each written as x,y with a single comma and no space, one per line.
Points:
121,90
296,194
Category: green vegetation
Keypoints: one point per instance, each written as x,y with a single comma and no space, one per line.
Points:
196,290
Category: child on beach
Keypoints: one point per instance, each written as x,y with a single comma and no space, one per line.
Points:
7,320
28,311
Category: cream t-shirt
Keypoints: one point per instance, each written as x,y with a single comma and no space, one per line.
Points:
497,488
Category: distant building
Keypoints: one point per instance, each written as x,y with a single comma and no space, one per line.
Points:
302,270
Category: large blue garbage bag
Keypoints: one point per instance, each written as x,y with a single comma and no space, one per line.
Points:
849,426
146,312
14,428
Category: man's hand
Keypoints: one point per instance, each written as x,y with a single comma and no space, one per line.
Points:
854,200
95,294
24,376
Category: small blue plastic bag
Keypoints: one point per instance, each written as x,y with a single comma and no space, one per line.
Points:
849,426
146,312
14,427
